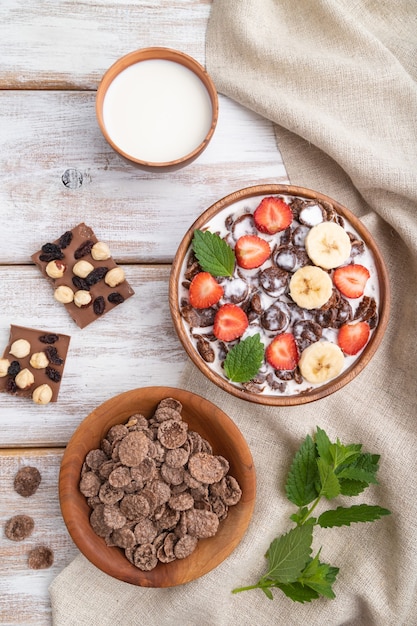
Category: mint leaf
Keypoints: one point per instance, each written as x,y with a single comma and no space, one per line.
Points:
330,487
244,359
323,444
213,253
343,516
344,454
319,577
287,555
298,592
303,475
351,487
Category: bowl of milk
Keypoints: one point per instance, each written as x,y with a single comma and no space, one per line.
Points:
158,108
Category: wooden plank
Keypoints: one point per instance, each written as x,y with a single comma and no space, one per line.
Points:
141,215
24,595
70,43
134,345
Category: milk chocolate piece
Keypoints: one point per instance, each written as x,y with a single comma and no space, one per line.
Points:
71,247
53,345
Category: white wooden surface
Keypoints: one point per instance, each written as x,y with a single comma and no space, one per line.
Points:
53,54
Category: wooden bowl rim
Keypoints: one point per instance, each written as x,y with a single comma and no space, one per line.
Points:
75,510
333,385
169,54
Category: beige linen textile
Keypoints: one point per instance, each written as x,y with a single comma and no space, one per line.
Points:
338,78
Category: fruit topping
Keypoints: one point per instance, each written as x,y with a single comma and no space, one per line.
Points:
230,322
353,337
272,215
321,361
205,291
328,245
310,287
351,280
282,352
251,251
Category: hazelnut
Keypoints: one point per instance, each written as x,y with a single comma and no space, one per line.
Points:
100,251
55,269
64,294
82,268
4,366
42,394
82,298
24,379
38,360
20,348
114,277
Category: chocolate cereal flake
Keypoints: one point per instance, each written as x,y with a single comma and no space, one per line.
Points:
19,527
40,558
27,481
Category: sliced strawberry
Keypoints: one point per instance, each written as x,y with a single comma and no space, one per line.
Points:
230,322
204,291
351,280
251,251
272,215
282,352
353,337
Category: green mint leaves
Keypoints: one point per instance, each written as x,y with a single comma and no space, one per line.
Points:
213,253
320,470
244,359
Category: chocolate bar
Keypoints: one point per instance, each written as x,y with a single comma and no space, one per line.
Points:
85,278
33,364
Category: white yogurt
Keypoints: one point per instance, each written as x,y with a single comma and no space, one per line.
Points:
157,111
235,286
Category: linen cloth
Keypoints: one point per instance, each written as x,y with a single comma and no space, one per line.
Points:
338,78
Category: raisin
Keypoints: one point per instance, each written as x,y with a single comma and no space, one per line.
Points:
96,275
51,338
14,368
53,374
83,249
65,239
53,357
115,297
99,305
50,252
80,283
11,386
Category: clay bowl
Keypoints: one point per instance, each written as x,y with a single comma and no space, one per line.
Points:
246,200
212,424
157,108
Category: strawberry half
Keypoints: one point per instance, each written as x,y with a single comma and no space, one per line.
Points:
282,352
204,291
351,280
272,215
230,322
251,251
353,337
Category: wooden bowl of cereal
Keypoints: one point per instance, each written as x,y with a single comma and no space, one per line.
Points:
157,486
279,294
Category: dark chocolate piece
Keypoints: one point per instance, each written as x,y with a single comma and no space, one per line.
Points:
78,246
37,345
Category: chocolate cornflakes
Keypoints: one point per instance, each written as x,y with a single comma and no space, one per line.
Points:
155,488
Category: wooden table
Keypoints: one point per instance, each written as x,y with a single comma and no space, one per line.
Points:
57,171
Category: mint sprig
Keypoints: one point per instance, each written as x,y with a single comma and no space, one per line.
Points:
320,470
243,361
213,253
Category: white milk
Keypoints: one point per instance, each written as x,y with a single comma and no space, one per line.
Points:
157,111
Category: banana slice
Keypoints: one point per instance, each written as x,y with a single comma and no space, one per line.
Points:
310,287
328,245
321,361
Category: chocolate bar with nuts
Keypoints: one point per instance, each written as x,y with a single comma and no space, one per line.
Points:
85,277
33,364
